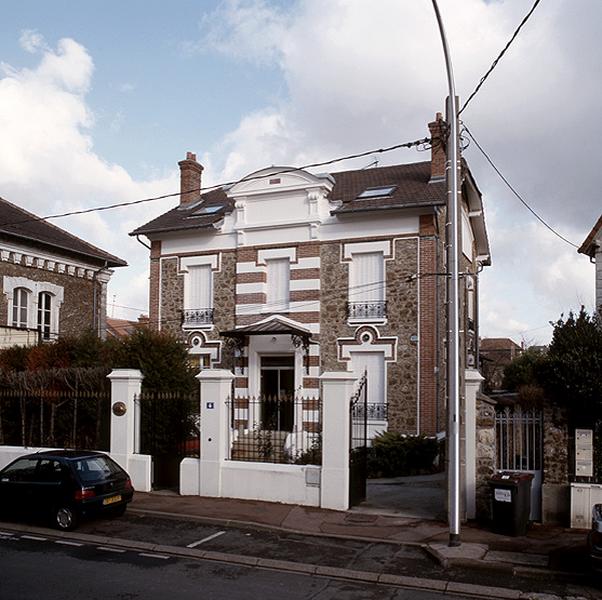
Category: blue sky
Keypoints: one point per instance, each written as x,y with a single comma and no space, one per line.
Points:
99,100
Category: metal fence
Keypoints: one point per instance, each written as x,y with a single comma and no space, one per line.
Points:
276,430
55,418
519,439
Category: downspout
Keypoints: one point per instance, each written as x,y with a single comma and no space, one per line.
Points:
437,329
95,319
141,242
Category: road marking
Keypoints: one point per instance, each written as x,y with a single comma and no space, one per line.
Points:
6,533
66,543
35,538
107,549
161,556
207,539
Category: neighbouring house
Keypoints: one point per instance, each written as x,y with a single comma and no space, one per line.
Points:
118,328
592,247
496,354
52,282
288,274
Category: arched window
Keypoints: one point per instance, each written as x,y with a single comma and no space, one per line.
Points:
20,303
44,314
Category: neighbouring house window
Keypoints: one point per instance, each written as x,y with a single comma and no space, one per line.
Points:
198,308
278,284
367,286
20,307
44,314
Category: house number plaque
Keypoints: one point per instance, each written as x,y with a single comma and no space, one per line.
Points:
119,409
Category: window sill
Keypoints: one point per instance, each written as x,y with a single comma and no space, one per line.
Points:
372,320
197,326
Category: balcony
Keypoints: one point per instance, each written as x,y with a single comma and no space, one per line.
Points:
197,317
366,311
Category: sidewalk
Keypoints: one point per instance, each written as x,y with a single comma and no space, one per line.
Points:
544,547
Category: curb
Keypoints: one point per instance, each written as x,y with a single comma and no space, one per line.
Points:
401,581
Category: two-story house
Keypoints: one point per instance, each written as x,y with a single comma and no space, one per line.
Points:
52,283
287,274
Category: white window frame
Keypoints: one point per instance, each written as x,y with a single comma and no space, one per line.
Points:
264,257
377,294
35,288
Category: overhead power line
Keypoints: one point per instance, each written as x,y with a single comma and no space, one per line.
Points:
513,190
331,161
495,62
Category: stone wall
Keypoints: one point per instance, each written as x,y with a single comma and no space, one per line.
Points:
172,297
485,455
77,310
402,303
555,496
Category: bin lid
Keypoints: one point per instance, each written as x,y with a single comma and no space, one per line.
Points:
511,477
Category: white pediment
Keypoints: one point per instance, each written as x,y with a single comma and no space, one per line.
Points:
278,180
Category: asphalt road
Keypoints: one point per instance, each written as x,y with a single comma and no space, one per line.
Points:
373,557
36,568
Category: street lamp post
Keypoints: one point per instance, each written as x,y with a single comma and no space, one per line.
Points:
453,335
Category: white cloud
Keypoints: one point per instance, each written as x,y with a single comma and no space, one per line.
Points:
31,41
362,77
48,164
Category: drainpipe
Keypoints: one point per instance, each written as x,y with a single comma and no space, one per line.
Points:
95,319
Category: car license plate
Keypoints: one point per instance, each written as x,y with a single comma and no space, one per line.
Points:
111,500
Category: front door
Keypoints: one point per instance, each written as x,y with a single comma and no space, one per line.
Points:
277,392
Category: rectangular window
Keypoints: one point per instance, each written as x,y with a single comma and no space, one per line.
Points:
367,286
200,294
278,277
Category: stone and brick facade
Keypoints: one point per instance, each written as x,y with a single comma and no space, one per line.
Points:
51,282
316,240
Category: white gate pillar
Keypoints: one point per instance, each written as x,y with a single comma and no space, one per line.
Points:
125,427
125,420
216,388
472,379
337,389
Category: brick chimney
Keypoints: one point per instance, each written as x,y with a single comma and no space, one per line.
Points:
190,179
438,131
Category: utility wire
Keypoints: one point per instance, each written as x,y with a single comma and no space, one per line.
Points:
524,202
495,62
221,185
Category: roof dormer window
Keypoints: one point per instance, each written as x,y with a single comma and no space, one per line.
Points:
377,192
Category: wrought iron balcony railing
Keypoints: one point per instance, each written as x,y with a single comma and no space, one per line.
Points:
366,310
197,316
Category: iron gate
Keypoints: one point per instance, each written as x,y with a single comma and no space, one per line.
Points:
519,447
358,443
169,431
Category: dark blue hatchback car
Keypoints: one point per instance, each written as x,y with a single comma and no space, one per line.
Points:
64,486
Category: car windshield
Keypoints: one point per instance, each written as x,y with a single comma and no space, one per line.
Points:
96,468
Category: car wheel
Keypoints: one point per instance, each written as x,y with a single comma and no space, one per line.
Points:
65,518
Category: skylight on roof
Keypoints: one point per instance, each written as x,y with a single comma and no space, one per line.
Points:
377,192
209,210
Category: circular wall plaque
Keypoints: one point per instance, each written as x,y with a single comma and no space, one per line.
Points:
119,409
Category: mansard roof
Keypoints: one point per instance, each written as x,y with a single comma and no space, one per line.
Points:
20,226
412,185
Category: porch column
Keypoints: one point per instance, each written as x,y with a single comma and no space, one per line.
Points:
216,388
337,389
473,381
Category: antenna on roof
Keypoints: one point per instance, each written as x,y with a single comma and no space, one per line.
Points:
374,163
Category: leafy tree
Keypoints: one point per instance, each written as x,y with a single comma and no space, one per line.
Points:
522,370
571,373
